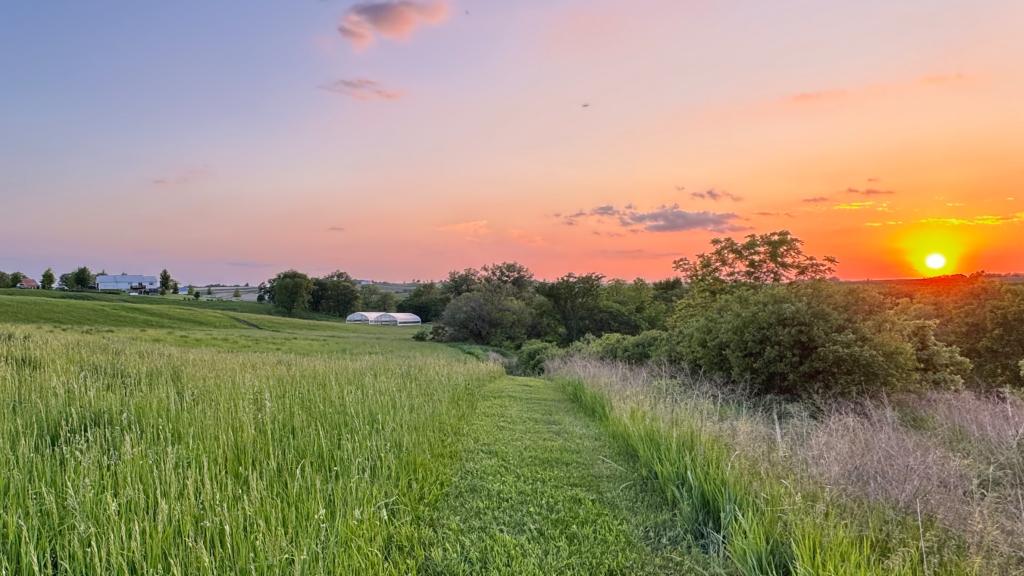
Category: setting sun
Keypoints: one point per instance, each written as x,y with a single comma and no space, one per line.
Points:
935,261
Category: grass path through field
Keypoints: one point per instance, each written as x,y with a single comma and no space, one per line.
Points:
541,490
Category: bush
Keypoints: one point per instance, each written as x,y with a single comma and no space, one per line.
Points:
486,317
421,335
532,356
815,338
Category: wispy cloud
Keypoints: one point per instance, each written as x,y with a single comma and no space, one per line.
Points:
336,229
986,220
870,191
395,19
870,204
471,230
715,195
786,214
361,89
815,200
665,218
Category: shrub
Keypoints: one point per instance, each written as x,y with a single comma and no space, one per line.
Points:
815,338
486,317
533,355
421,335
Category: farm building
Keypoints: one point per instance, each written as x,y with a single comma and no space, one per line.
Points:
28,284
398,319
128,283
383,319
363,318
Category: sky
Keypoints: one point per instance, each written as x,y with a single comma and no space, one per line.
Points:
398,140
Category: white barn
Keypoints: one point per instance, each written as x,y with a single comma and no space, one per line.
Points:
127,283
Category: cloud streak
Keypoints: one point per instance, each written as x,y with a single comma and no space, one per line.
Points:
715,195
665,218
364,22
362,89
870,191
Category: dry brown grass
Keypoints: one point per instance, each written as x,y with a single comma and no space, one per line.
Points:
958,458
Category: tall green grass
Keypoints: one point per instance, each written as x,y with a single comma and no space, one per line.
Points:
765,524
121,457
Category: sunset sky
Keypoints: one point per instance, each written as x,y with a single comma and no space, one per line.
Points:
230,140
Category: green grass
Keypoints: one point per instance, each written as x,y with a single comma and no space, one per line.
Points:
170,440
540,491
765,524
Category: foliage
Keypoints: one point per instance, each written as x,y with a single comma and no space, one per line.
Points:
510,277
421,335
486,317
79,279
761,259
650,345
165,280
426,301
461,282
48,279
807,339
236,294
374,299
532,355
334,294
290,291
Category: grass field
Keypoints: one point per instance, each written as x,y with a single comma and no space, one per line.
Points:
154,439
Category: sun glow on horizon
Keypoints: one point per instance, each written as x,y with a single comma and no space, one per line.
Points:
935,261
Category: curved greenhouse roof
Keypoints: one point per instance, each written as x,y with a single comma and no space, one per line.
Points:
397,319
362,317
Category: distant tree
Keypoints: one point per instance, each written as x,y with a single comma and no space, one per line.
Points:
237,294
334,294
196,294
290,291
209,291
191,290
576,301
669,291
426,301
5,279
760,259
15,279
459,283
372,298
81,279
511,276
165,280
48,279
174,287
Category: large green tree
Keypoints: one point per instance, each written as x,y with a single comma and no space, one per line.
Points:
290,291
48,279
759,259
334,294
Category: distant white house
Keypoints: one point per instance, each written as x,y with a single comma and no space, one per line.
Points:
383,318
128,283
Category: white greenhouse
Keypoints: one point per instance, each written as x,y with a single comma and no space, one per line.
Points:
363,318
397,319
383,319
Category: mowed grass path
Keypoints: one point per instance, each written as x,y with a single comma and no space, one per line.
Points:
541,490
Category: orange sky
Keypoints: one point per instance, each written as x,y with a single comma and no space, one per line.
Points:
399,141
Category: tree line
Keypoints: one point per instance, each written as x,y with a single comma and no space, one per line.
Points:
756,311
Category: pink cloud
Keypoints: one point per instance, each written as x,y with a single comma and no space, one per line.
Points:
361,89
394,20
